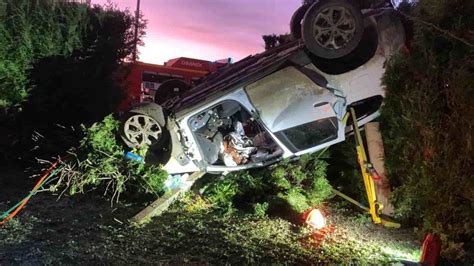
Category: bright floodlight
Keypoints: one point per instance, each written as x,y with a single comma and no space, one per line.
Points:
315,219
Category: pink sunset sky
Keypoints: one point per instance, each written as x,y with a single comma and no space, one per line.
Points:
208,29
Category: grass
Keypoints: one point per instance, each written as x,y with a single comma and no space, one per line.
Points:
84,229
15,231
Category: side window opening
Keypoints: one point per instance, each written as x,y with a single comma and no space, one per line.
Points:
365,107
309,135
228,135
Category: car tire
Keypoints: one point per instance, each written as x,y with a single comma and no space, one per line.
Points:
140,128
169,89
327,38
295,22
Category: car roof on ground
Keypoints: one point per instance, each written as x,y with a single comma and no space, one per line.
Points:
229,77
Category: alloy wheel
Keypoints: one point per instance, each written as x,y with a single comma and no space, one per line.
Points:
142,130
334,27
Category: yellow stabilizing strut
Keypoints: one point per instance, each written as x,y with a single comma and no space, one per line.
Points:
374,206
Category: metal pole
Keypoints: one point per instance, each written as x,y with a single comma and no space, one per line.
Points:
137,16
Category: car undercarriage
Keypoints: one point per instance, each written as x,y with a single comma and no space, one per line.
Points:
287,101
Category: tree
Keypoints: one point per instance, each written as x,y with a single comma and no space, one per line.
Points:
88,84
79,87
274,40
360,3
29,31
427,123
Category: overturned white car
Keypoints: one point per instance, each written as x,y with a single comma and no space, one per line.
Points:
282,103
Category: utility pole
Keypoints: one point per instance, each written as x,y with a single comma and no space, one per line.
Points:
137,19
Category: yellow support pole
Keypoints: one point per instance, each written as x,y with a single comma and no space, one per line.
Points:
374,206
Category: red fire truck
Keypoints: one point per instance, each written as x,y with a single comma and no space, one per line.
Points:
145,80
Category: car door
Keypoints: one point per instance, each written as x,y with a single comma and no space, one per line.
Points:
302,116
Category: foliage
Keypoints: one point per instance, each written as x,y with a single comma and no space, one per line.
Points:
296,199
30,30
427,123
88,84
179,237
100,162
304,184
343,171
73,50
190,231
260,209
273,40
194,203
361,3
221,194
14,231
74,88
300,185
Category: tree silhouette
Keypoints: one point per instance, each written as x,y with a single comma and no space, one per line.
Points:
273,40
80,88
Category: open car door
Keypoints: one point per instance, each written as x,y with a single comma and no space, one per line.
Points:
303,116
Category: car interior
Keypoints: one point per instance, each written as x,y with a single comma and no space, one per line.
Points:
228,135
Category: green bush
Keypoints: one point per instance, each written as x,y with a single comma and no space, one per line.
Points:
85,86
30,30
295,198
67,89
427,124
344,172
301,185
260,209
221,194
100,163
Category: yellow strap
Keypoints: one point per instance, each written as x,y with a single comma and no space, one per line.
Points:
368,182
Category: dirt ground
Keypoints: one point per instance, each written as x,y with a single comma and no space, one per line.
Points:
86,229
